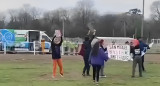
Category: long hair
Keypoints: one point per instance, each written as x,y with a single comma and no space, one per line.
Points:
95,49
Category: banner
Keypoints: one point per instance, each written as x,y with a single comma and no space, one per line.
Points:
8,36
119,52
58,33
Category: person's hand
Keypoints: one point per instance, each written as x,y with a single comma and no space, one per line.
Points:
94,32
88,32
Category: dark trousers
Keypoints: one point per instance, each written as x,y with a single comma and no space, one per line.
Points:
143,63
137,60
96,69
86,66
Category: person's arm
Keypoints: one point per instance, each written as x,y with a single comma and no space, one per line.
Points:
105,49
88,32
93,36
145,45
61,41
89,60
52,42
103,55
148,47
81,52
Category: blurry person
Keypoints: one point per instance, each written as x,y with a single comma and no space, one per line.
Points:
43,46
97,58
137,59
127,43
143,48
102,67
56,55
87,50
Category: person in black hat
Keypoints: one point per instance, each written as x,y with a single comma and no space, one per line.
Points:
87,50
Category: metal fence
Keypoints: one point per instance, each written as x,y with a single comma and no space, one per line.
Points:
155,41
36,48
25,47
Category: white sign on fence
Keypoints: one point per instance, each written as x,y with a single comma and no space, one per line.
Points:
119,52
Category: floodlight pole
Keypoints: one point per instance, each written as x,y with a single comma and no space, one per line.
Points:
63,19
142,26
63,26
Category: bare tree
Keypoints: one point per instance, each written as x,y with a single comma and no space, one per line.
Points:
2,20
54,20
26,17
155,9
83,14
155,22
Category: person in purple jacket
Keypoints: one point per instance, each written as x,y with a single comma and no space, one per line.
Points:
97,58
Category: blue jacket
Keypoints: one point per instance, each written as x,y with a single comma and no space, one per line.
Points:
142,46
100,58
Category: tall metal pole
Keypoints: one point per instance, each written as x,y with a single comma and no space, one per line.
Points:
142,26
63,33
124,28
63,27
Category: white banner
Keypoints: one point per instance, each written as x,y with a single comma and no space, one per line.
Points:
58,33
119,52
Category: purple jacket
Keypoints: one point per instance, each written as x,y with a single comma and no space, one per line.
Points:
100,58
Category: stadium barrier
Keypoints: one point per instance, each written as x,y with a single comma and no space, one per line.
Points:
24,47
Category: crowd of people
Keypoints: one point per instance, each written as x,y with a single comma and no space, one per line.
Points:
96,55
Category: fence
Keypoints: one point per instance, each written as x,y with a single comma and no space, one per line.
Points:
155,41
25,47
3,47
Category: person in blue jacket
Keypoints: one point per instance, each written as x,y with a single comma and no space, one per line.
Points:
97,58
143,48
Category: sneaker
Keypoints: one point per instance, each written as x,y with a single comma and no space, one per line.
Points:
132,76
144,70
140,76
61,75
83,74
97,83
53,77
94,81
88,75
103,76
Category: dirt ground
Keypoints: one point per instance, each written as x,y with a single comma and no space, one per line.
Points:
47,57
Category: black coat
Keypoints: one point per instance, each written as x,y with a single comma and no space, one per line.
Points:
56,53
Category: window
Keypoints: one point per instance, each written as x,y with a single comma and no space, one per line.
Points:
45,38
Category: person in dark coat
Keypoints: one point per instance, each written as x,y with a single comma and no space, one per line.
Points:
87,50
137,59
143,47
56,55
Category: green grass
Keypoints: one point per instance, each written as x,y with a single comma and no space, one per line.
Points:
38,73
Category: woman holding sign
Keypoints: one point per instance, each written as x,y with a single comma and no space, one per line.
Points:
56,55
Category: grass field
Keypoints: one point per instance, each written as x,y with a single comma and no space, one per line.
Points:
30,70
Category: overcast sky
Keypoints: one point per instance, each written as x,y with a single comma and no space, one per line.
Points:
103,6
